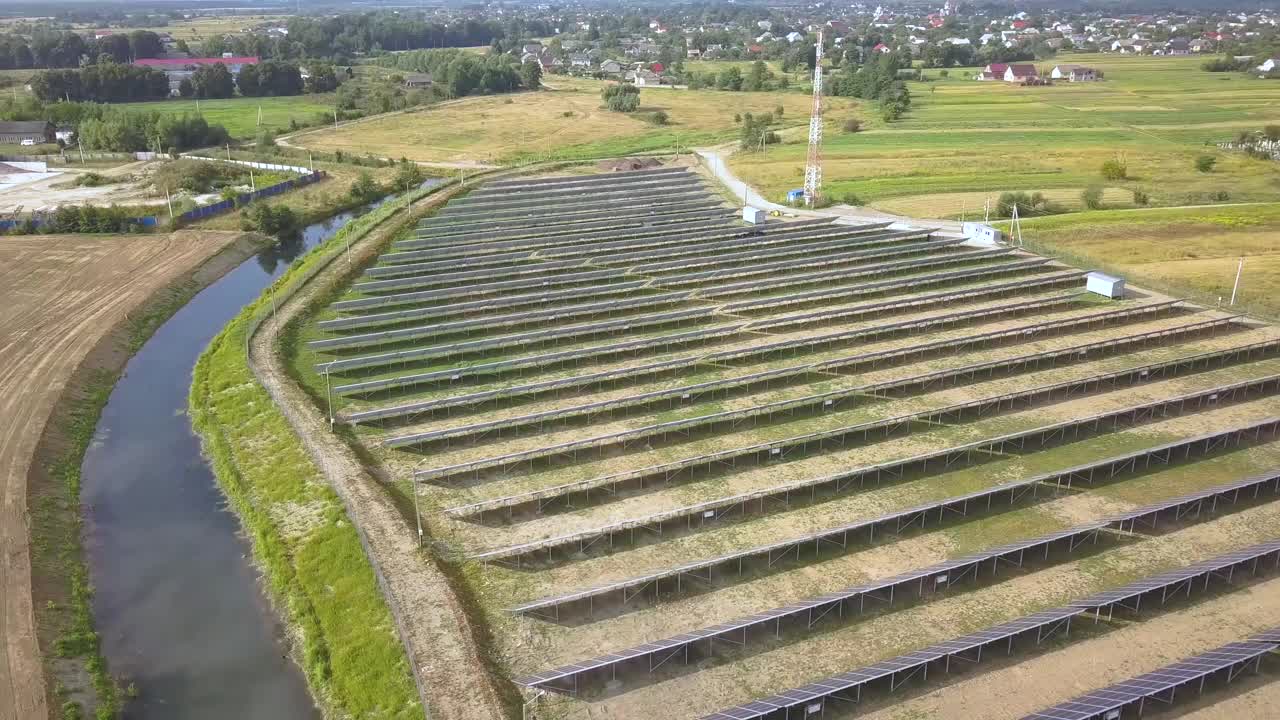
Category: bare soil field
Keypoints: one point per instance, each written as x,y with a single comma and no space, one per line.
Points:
675,478
62,296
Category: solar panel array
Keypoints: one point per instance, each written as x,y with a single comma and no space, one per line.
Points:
1106,703
554,356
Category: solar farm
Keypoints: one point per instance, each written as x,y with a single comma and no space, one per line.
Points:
690,467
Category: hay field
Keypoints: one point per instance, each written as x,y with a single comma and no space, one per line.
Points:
240,115
567,121
558,441
963,136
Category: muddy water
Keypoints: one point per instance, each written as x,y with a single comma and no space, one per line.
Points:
178,603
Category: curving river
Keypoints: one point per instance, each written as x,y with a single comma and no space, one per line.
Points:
178,602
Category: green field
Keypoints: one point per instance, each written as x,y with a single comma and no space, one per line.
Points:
240,115
1189,252
963,136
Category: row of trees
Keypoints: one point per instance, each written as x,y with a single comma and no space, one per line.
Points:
106,82
758,78
343,37
66,49
461,73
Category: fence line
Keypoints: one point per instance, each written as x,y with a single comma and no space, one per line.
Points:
253,164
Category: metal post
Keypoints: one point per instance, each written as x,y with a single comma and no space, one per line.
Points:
335,118
253,185
274,310
1236,286
329,394
311,161
169,201
417,514
228,152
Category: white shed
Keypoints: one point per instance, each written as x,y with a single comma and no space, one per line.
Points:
982,233
755,216
1105,285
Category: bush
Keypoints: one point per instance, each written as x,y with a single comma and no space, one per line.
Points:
93,179
408,176
852,125
659,117
1028,205
1115,169
274,220
1092,197
1205,163
621,98
1220,196
364,189
1272,132
944,73
1140,197
567,113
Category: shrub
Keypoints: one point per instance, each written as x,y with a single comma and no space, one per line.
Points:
567,113
274,220
93,179
852,125
1115,169
737,117
364,189
944,73
1140,197
659,117
1220,196
1028,205
1092,197
1205,163
621,98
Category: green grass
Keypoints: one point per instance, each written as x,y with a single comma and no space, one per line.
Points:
965,136
313,560
1188,252
240,115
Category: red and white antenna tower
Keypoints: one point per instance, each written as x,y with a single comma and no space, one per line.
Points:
813,166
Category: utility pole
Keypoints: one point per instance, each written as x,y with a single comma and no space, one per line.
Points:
169,201
253,185
228,152
311,161
1236,286
259,116
335,118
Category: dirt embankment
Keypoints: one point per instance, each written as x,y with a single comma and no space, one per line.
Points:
71,309
441,642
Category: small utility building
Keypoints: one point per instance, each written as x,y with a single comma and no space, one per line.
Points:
1105,285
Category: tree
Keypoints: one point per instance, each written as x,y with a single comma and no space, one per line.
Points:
1205,163
364,189
213,81
852,125
621,97
730,79
1115,169
408,176
531,75
758,78
144,44
323,78
185,88
117,46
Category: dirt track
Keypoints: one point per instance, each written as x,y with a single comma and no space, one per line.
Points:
444,655
61,296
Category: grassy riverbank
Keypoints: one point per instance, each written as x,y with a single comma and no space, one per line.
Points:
310,553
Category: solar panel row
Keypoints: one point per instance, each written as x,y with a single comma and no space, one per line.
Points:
712,513
816,694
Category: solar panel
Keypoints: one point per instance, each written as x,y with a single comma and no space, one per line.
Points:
425,236
553,181
1148,514
1163,582
752,503
571,203
419,298
605,192
1099,704
1046,621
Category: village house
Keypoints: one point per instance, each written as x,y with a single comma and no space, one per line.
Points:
179,69
22,132
1023,73
1075,73
1270,65
417,80
994,71
611,67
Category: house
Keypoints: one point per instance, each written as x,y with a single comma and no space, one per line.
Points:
658,68
1175,46
580,61
1075,73
645,78
1270,65
532,48
882,49
610,67
1021,73
755,49
994,71
417,80
22,132
550,63
794,36
64,133
693,53
764,25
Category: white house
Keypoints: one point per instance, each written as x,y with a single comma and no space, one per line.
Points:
1075,73
1270,65
794,36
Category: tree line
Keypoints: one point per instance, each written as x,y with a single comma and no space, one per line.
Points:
461,73
66,49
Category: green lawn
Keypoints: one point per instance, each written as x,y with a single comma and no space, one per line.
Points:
963,136
240,115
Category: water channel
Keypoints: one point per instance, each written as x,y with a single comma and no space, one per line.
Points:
178,602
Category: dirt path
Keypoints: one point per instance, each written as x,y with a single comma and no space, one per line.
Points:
445,657
61,295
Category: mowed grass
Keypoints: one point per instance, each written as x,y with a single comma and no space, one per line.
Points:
1190,252
240,115
567,122
963,136
198,28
